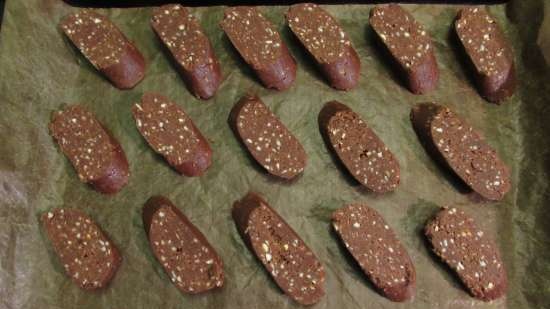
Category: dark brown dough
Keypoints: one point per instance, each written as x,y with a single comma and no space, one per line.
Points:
185,254
361,151
378,251
182,35
489,53
291,264
171,133
267,139
455,144
409,44
88,256
327,42
457,240
260,45
109,51
95,154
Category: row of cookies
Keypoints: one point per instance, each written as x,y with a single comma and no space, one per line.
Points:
260,45
91,259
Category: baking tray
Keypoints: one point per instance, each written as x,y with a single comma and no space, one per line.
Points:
40,72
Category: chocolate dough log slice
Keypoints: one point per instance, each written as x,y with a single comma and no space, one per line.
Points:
464,247
488,52
374,245
292,265
105,47
458,146
360,150
88,256
171,133
182,250
182,35
409,44
260,45
327,42
95,154
269,142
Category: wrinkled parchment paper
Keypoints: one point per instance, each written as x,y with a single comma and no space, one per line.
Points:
40,72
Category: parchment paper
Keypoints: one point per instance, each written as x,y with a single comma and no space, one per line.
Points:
40,72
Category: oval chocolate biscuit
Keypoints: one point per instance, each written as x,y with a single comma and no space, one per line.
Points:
469,251
267,139
88,256
185,254
488,51
327,42
260,45
106,47
95,154
171,133
291,264
458,146
378,251
409,44
191,49
363,154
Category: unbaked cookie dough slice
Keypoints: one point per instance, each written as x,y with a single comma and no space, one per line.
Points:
95,154
171,133
360,150
327,42
267,139
452,141
185,254
469,251
260,45
182,35
106,47
378,251
291,264
87,254
409,44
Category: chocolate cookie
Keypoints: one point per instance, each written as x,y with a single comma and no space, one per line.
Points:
363,154
95,154
470,252
409,45
374,245
182,35
171,133
488,52
327,42
88,256
107,49
292,265
185,254
455,144
260,45
267,139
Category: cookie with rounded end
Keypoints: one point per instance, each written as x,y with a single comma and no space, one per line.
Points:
360,150
326,41
459,147
267,139
489,53
409,45
106,47
171,133
185,254
87,254
95,154
291,264
469,252
369,239
260,45
182,35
